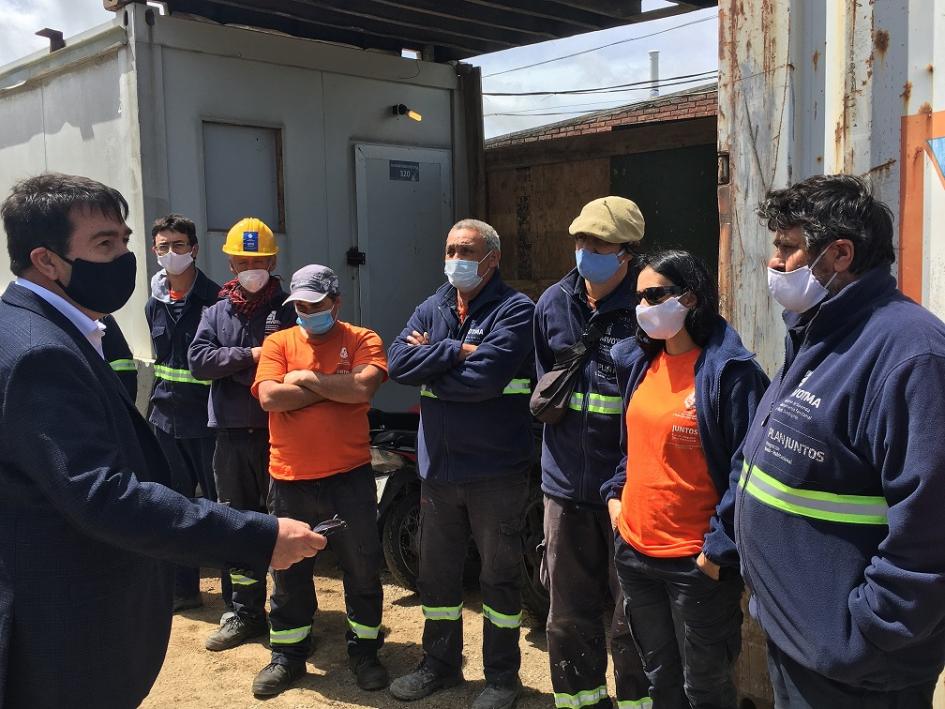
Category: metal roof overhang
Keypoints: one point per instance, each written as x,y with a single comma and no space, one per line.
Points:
441,29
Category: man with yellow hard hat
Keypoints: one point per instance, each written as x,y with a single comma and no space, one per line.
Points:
225,351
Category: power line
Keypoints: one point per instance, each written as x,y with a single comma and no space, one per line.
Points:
603,46
632,86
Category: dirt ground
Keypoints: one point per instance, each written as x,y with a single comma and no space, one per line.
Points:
193,677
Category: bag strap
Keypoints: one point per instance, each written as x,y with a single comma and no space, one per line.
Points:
591,336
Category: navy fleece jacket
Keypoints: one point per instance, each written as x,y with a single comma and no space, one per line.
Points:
839,512
474,417
579,452
729,385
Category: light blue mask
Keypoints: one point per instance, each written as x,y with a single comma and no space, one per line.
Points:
597,268
463,275
316,323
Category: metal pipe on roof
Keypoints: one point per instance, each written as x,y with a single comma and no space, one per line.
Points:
655,72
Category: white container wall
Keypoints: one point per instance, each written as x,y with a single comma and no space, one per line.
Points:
850,86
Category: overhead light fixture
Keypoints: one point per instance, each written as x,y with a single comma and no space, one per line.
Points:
402,110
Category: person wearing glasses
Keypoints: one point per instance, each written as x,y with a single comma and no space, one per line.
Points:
690,389
579,452
180,292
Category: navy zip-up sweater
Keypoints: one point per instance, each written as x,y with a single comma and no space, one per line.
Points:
580,452
178,399
474,417
222,351
729,385
839,511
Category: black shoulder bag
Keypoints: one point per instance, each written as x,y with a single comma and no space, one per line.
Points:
553,391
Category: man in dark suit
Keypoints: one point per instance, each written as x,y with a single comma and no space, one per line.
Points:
87,525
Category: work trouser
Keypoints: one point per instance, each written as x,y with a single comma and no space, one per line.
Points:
798,687
353,497
582,580
191,466
241,472
686,625
493,511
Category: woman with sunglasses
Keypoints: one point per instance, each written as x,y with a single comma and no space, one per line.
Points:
689,389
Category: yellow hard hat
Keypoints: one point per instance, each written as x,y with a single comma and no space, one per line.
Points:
250,237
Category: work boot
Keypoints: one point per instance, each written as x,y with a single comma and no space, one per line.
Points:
370,674
276,677
235,631
420,683
186,603
496,696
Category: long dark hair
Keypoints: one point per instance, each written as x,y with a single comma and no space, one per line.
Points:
689,271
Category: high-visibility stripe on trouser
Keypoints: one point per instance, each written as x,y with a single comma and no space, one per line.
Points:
515,386
596,403
123,365
180,376
364,632
442,612
290,636
238,579
587,698
827,506
501,620
645,703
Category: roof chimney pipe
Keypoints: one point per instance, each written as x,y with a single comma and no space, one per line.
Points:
655,72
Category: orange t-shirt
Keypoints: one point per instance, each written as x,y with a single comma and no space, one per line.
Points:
669,496
328,437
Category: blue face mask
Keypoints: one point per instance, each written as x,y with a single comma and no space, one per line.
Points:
316,323
596,268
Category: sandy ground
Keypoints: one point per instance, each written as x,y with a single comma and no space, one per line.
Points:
193,677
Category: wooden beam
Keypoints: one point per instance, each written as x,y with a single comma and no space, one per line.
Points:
621,9
470,90
626,141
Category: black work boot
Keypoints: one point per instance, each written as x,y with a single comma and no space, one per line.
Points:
236,630
370,674
276,677
420,683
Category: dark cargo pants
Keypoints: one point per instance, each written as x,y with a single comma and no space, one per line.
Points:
353,497
241,472
190,461
686,625
586,596
492,511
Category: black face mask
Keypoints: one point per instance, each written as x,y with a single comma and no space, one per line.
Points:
101,287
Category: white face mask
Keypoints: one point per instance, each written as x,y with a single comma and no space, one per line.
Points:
463,275
175,264
798,290
254,279
663,320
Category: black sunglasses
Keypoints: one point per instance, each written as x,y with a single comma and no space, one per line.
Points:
657,293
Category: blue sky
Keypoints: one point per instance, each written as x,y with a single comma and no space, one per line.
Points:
690,49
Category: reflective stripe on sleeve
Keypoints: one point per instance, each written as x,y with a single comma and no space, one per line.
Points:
518,386
442,612
180,376
364,632
827,506
290,636
240,580
596,403
501,620
123,365
587,698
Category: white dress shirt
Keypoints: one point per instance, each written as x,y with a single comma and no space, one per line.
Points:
93,330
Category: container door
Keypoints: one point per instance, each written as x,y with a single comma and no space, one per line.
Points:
405,209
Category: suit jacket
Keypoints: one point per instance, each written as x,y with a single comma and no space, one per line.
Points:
87,525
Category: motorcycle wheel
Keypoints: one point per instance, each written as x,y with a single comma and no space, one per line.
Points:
400,540
535,598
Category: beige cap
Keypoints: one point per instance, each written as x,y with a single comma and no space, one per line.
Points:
613,219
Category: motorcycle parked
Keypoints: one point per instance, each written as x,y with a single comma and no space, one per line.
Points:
394,459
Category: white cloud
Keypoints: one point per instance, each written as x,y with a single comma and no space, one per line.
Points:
19,20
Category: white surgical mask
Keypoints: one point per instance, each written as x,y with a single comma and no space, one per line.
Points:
463,275
798,290
175,264
254,279
663,320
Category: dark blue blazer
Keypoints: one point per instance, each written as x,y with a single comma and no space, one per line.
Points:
87,525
